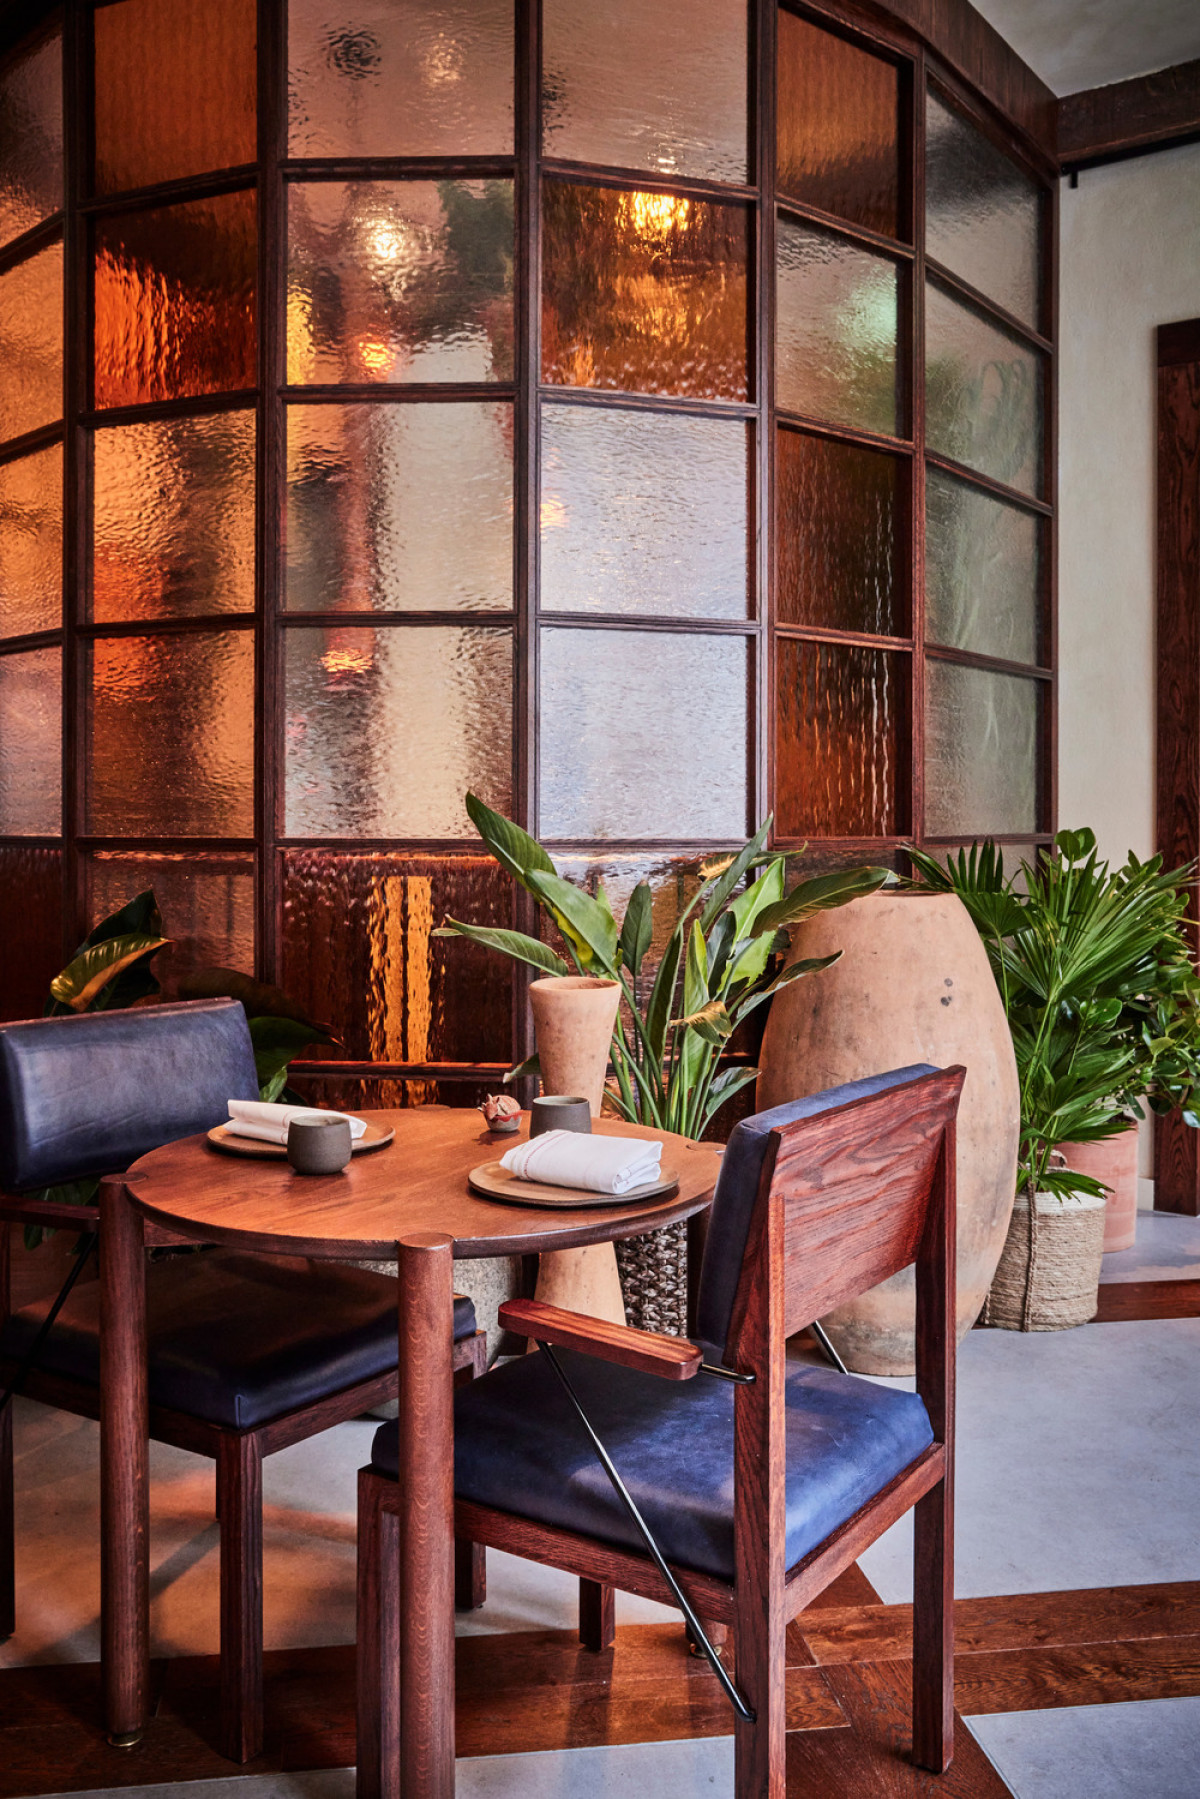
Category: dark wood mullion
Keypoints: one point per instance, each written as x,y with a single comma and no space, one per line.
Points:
867,640
32,640
975,298
413,392
1000,665
396,168
636,181
164,846
31,441
852,434
1003,132
270,476
363,616
621,400
861,235
619,621
39,237
526,489
764,26
974,477
77,361
172,193
1048,572
914,140
167,627
186,406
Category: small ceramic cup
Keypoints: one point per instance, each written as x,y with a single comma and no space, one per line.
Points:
318,1146
559,1112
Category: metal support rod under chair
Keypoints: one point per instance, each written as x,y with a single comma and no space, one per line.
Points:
623,1494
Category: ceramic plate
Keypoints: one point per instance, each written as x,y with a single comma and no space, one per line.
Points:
495,1182
222,1138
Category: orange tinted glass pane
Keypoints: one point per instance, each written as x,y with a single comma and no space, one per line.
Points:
31,327
31,508
837,126
31,138
207,903
839,710
175,90
645,292
175,301
31,744
836,533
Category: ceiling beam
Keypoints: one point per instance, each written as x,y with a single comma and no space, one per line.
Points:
1129,118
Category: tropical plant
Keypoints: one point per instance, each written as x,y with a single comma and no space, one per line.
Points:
1101,994
720,963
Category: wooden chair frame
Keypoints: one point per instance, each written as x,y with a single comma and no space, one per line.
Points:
238,1455
846,1198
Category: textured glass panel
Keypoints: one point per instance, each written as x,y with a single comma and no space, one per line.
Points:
981,751
174,518
389,729
645,292
207,903
835,330
31,138
838,113
359,950
982,571
400,77
673,882
840,718
836,536
31,505
175,301
151,123
31,744
981,212
400,281
31,327
31,907
171,749
644,512
983,394
399,508
619,710
636,86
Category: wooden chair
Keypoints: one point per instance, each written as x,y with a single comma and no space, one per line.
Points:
247,1354
742,1492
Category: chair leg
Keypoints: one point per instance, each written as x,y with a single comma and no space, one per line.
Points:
239,1505
597,1615
760,1749
470,1559
8,1581
378,1691
933,1630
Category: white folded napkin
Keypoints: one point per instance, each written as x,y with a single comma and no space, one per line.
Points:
576,1159
269,1124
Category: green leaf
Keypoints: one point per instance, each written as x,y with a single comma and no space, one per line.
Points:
531,1065
514,849
728,879
662,994
259,999
695,973
81,982
820,895
712,1022
509,943
793,972
139,917
638,928
277,1041
589,923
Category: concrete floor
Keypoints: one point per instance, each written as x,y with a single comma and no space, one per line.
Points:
1079,1465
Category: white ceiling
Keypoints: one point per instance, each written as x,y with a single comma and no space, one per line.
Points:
1074,44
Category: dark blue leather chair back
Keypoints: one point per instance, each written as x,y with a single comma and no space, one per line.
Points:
737,1190
84,1096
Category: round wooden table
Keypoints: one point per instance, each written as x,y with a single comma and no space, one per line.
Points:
410,1201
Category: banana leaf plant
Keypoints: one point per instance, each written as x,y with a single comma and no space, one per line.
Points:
720,964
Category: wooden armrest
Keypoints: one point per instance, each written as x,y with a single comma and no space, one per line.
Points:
670,1357
48,1212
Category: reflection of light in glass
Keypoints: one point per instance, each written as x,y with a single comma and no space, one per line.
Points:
374,355
553,513
444,62
347,661
656,215
389,241
299,336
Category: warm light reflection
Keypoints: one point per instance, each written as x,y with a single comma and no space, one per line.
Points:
656,215
374,355
347,661
553,513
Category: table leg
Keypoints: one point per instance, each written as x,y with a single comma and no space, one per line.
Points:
426,1429
124,1467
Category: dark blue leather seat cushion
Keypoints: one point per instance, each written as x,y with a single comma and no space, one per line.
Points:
237,1339
737,1188
519,1447
89,1095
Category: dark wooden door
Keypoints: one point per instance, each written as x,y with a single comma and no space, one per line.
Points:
1177,1147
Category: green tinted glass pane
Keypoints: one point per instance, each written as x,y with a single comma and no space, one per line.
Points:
982,571
31,137
207,903
835,330
388,730
610,702
631,86
836,522
645,292
173,532
400,281
171,739
983,394
400,77
837,123
981,751
400,508
981,212
841,714
31,506
31,327
644,512
31,744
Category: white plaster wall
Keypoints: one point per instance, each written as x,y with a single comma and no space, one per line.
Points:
1130,261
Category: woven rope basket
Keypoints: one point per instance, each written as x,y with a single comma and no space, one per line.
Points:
1048,1275
653,1272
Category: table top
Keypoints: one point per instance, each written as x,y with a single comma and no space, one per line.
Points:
417,1183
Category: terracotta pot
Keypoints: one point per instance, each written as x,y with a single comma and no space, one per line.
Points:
573,1018
913,985
1115,1163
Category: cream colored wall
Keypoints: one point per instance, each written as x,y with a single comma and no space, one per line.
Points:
1130,261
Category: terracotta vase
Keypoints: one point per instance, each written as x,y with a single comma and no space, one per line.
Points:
573,1018
1115,1163
913,985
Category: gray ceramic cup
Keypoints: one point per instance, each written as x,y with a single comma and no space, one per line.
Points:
318,1146
559,1112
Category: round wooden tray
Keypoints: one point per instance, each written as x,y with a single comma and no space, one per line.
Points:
495,1182
221,1138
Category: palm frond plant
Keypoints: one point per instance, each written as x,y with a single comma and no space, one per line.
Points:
719,965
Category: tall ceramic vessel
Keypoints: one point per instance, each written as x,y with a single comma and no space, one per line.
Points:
573,1019
913,985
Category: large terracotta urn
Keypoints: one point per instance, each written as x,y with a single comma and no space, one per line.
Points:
573,1019
913,985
